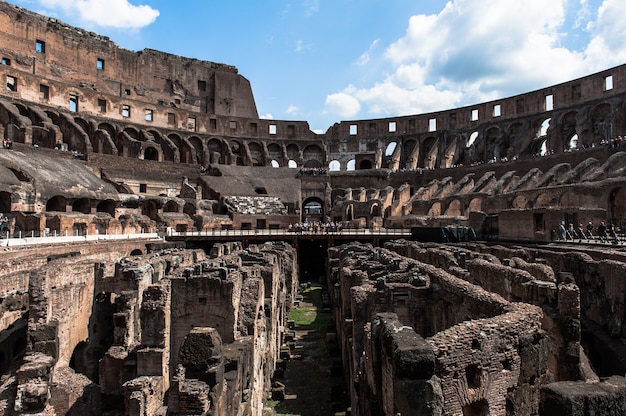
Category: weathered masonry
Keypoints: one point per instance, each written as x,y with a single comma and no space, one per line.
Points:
475,330
98,331
102,142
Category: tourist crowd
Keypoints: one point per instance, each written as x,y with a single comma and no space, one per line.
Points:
603,233
313,171
316,227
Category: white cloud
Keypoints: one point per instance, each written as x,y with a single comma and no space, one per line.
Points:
120,14
311,6
583,14
301,46
345,104
365,57
479,50
292,110
607,47
267,116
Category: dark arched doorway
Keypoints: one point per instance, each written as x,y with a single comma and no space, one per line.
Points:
151,154
313,210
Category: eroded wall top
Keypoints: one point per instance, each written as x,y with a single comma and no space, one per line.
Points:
56,51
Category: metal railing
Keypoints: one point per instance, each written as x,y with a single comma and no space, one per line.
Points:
31,239
290,233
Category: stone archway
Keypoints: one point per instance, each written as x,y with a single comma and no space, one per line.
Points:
151,153
431,150
435,210
56,203
313,209
82,205
455,208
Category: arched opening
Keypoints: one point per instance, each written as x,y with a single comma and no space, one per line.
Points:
215,151
454,208
292,164
431,149
392,156
167,147
196,150
313,156
568,131
351,165
601,123
275,164
275,153
334,166
136,252
435,210
543,130
312,163
375,210
150,209
107,206
189,209
133,133
568,199
293,152
151,154
472,139
410,153
312,210
78,361
256,154
56,203
449,155
82,205
543,200
475,205
236,150
170,206
496,144
520,202
186,153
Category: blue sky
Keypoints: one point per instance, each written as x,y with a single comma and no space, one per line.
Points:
326,61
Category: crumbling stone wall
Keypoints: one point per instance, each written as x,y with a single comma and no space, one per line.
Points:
130,335
490,355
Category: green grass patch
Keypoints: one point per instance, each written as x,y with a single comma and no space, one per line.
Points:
309,316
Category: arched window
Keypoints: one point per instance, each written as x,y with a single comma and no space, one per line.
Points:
334,166
472,139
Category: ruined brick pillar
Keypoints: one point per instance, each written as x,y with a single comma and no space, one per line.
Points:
403,364
570,327
153,357
198,384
